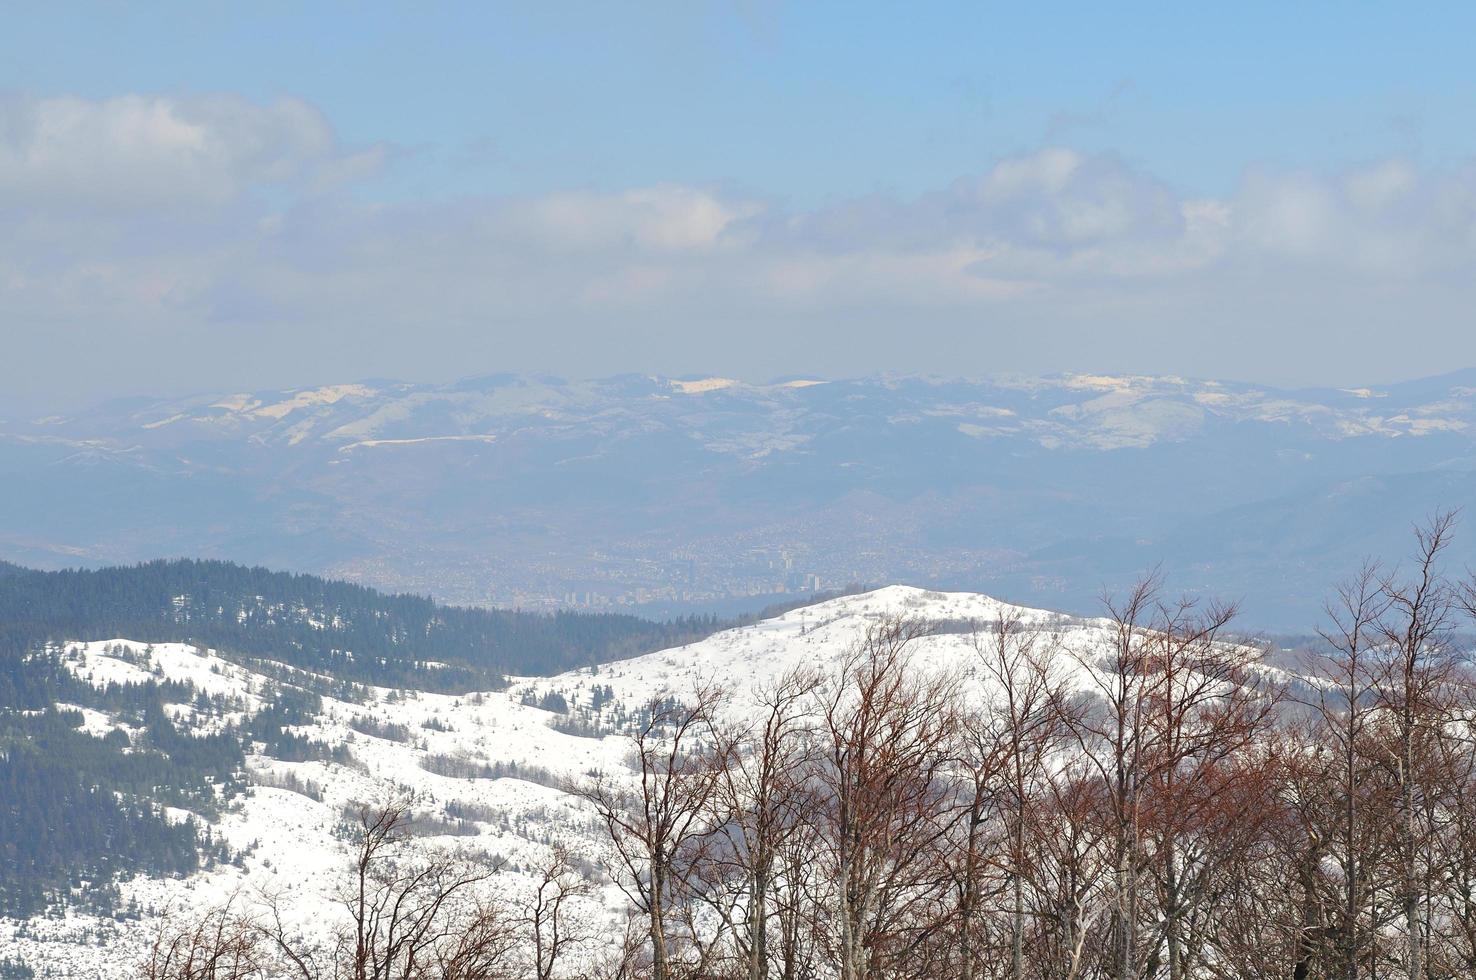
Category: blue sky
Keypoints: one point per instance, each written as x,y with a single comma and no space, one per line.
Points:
1255,190
806,101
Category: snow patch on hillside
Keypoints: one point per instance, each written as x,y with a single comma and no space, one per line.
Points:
371,443
704,385
327,395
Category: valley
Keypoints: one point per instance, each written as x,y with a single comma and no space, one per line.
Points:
666,497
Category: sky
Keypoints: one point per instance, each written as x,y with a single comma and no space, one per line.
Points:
205,197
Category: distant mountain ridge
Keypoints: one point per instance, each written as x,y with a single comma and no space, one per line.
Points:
659,493
1056,411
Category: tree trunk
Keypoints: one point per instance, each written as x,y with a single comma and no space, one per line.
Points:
1412,967
1017,886
1171,915
660,969
758,923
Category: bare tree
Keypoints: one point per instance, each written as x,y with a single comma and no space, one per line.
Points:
803,892
415,915
1169,708
1027,698
1270,882
545,916
1208,707
222,944
760,806
973,858
1453,845
1455,852
1114,740
655,827
628,957
1416,632
411,914
1070,857
886,741
1345,682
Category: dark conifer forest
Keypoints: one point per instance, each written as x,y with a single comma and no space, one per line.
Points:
349,631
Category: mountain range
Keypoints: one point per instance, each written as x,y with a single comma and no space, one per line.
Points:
662,495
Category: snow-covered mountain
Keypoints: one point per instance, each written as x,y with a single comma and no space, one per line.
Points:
689,494
487,768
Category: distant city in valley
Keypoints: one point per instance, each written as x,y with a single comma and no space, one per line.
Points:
670,496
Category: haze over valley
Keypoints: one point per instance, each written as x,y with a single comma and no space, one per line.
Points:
666,496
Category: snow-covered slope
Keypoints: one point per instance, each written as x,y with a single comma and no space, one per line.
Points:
818,637
289,828
510,761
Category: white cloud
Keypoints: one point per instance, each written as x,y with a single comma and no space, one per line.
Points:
1059,199
1029,219
132,221
141,152
1388,221
665,217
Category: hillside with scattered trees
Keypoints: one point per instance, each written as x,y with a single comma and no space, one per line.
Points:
79,812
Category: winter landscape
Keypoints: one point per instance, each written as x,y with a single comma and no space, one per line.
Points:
737,490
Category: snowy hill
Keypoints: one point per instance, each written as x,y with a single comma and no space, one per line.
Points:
487,768
815,636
